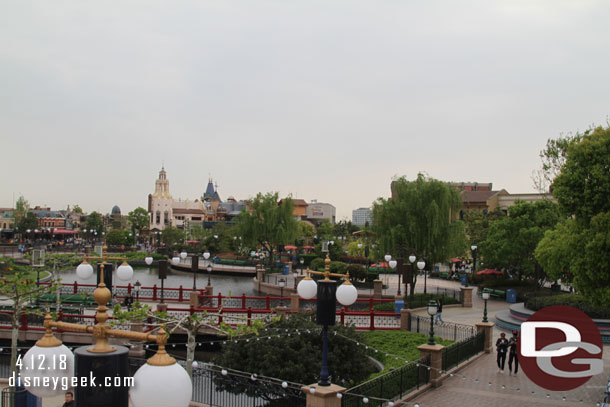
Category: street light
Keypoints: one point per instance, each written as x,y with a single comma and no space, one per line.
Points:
295,274
136,287
148,260
183,255
473,249
420,265
393,264
485,297
209,272
432,309
282,284
302,261
327,291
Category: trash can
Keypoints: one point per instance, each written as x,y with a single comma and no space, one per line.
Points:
285,270
399,305
511,296
464,279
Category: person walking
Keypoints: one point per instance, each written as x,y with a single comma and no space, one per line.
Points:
439,310
501,348
128,301
512,354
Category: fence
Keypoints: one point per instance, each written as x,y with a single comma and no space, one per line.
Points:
458,352
392,385
447,330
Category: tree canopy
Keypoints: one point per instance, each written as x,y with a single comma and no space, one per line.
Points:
268,223
94,222
421,216
512,240
139,219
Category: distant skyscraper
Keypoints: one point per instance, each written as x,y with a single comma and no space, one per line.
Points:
362,215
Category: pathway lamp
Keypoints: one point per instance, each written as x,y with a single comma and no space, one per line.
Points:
327,294
485,297
420,265
282,284
473,249
148,259
209,273
393,264
137,287
195,268
302,261
432,310
183,255
295,274
176,260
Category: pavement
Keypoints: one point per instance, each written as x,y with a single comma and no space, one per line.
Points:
483,384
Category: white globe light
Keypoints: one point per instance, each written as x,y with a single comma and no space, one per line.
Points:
124,272
307,288
421,264
473,247
393,263
195,364
151,384
206,255
412,259
49,362
183,255
84,270
387,257
284,385
148,260
347,294
176,260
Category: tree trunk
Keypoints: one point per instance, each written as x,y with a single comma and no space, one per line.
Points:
14,341
190,349
412,286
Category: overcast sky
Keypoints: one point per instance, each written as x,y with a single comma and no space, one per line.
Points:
325,100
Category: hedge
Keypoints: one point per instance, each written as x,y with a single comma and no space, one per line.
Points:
573,300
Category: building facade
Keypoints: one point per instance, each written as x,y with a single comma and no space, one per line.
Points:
319,211
361,216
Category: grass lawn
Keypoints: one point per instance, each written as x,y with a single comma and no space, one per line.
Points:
396,343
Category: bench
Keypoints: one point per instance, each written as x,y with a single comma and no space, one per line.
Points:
495,293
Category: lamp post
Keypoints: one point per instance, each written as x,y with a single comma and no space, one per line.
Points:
393,264
473,249
420,265
282,284
485,297
295,274
209,273
432,309
137,287
195,268
183,256
327,292
302,261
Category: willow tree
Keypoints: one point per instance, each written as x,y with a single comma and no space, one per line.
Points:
420,218
268,223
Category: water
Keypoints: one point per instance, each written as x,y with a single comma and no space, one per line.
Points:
148,276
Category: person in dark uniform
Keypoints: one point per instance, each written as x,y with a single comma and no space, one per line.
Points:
69,400
501,348
128,301
512,353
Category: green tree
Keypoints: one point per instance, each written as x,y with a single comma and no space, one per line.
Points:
139,219
420,216
116,238
306,231
29,221
325,230
77,209
477,224
268,223
94,222
172,236
22,207
553,157
556,250
512,240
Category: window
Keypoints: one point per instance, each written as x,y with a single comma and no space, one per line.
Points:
158,217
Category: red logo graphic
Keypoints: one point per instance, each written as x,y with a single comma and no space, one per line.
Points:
560,348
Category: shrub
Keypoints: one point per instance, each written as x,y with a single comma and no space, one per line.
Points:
573,300
372,276
356,272
317,264
308,258
337,267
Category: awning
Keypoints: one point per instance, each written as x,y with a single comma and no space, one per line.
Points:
64,232
489,272
192,241
455,260
290,247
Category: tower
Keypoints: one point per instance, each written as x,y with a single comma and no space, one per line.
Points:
160,203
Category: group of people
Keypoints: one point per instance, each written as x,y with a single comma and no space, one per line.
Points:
504,346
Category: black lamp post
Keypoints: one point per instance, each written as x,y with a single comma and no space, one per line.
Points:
432,310
282,284
137,287
195,268
209,272
302,261
473,249
485,297
420,265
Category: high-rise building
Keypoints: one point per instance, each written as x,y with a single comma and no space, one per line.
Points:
361,216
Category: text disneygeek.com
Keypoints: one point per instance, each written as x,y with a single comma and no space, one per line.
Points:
66,383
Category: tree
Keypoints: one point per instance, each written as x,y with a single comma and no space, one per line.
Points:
172,236
305,231
139,219
325,230
420,217
477,224
553,158
29,221
279,352
21,291
77,209
582,244
512,240
268,223
556,250
22,207
116,238
94,223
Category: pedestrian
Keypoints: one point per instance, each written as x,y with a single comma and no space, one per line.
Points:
439,311
69,400
512,354
128,301
115,300
501,348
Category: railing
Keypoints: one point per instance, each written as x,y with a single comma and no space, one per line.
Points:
447,330
458,352
392,385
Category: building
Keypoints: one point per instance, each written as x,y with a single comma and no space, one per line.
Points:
50,219
361,216
319,211
165,211
506,201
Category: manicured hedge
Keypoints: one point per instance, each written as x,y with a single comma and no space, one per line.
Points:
573,300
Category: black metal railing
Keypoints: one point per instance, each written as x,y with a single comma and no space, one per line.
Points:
461,351
447,330
392,385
